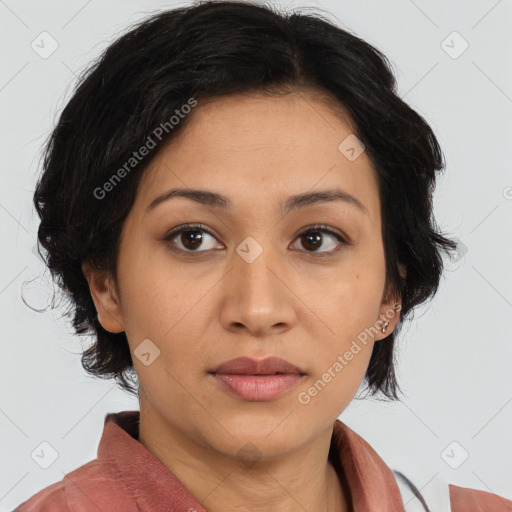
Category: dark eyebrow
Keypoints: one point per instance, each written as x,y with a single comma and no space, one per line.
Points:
216,200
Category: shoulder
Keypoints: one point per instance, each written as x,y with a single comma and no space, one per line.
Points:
49,499
463,499
440,496
66,494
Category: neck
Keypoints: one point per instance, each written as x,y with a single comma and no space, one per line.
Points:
223,483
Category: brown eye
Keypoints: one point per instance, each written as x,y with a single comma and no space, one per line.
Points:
193,238
314,239
189,238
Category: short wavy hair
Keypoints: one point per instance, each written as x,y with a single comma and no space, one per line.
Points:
207,50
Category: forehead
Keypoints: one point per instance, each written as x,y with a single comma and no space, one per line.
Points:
256,148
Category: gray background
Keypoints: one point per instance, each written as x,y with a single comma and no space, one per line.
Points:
455,356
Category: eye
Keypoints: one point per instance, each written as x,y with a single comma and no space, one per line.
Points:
312,239
191,238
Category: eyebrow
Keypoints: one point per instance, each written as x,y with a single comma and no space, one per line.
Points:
215,200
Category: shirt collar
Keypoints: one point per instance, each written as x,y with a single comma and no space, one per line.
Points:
372,483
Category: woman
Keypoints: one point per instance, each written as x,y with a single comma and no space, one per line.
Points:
239,207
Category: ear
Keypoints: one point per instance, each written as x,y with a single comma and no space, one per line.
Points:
105,299
390,311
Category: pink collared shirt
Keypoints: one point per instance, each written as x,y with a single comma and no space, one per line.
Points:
126,477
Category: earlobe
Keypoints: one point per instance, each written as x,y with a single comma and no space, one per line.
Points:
397,304
390,311
389,317
105,299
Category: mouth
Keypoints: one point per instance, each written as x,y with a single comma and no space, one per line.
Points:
252,380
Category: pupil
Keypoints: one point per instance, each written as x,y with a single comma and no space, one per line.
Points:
313,239
195,236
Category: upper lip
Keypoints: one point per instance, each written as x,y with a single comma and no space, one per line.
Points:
249,366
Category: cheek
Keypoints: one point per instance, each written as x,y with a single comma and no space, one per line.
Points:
153,296
351,312
330,391
343,355
162,305
353,303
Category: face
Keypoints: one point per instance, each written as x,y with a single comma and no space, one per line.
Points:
255,279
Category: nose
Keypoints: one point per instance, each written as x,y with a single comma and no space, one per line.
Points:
258,294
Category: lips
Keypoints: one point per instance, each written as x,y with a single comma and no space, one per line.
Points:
248,366
257,381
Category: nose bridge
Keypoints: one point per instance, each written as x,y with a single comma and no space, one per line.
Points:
256,266
256,296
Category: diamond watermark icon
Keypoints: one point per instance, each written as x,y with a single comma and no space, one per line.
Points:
249,454
454,455
351,147
44,45
44,455
249,249
147,352
454,45
453,261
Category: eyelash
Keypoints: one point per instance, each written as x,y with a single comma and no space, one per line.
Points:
317,228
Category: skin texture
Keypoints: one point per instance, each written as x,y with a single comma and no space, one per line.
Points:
203,309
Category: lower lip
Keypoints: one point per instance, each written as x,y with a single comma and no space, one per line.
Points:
258,388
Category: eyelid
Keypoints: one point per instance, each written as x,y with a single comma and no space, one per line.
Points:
186,227
328,229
